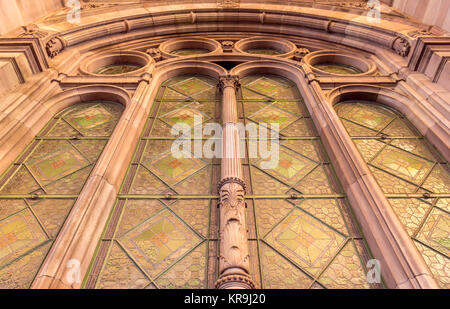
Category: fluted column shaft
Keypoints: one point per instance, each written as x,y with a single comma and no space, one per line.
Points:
234,265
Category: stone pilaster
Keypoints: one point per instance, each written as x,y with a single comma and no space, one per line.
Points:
234,257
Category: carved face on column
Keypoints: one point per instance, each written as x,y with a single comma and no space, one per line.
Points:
231,199
233,230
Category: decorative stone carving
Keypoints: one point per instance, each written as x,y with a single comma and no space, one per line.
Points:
229,81
401,46
234,258
155,53
227,46
226,4
300,53
422,32
54,46
32,31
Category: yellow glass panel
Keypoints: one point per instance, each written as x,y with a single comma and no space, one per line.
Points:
404,164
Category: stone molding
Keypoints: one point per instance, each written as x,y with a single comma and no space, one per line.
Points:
367,66
274,21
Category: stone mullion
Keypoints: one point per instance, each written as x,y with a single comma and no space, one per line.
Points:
234,265
402,266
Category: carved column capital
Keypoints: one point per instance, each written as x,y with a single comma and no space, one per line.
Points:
227,180
229,81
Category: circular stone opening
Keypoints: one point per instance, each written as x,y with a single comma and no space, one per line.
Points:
118,63
189,47
267,47
340,64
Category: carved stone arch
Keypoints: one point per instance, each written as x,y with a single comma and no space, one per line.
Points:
430,124
87,93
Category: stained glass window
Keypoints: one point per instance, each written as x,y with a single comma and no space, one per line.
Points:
264,51
38,191
412,174
162,232
336,68
189,51
115,69
302,233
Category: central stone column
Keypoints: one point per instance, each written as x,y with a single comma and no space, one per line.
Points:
234,257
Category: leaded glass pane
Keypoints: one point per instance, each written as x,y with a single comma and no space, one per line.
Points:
40,188
116,69
338,68
405,164
310,241
189,51
162,227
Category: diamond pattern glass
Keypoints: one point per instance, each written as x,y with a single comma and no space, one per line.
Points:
404,164
308,242
162,230
40,188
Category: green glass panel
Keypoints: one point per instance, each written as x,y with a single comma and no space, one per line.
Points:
159,242
121,272
305,242
164,242
279,273
336,68
264,51
56,166
189,273
189,51
404,164
116,68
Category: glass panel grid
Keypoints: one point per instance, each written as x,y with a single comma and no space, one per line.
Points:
163,226
412,174
41,186
303,229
